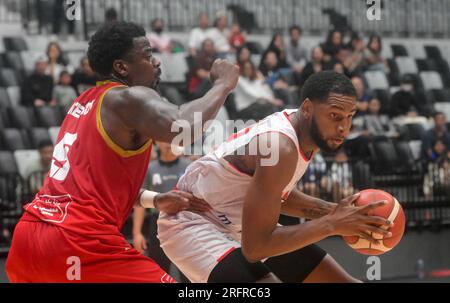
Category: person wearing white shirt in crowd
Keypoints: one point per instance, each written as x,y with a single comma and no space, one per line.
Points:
198,34
253,96
219,35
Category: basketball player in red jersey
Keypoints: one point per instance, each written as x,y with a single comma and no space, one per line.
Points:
71,231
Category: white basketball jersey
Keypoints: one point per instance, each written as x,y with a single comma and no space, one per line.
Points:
223,186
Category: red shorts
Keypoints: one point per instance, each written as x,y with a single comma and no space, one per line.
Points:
41,252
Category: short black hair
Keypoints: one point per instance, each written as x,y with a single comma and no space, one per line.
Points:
111,42
320,85
295,27
438,113
44,143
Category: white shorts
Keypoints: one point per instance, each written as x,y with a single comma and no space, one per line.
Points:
194,244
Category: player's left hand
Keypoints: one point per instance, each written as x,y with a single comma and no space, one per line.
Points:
175,201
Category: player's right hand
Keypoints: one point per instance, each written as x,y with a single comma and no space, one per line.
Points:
139,243
350,220
175,201
225,72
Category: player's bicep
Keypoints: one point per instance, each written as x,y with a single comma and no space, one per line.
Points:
143,110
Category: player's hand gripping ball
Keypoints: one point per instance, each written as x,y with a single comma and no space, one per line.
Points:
392,211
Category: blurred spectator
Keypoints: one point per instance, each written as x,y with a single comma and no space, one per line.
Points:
84,77
36,171
373,57
269,68
253,97
338,67
315,180
56,62
237,37
332,45
356,59
295,52
437,178
405,102
198,34
199,80
63,92
314,66
111,15
219,35
243,55
378,125
344,59
436,141
341,176
362,96
158,41
162,176
38,87
276,46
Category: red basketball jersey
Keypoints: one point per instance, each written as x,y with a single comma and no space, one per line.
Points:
92,183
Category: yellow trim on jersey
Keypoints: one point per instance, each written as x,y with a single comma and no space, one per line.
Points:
116,148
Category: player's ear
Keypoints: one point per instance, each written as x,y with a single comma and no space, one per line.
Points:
120,67
306,108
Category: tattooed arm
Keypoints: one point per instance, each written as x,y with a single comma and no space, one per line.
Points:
302,205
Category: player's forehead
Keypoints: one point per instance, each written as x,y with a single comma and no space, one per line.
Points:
340,102
141,45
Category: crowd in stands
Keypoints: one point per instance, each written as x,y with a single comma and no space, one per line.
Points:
271,80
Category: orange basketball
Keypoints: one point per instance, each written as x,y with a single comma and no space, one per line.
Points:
392,211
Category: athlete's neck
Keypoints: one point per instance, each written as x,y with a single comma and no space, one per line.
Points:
114,78
305,141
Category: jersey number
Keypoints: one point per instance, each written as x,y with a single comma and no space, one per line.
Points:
60,163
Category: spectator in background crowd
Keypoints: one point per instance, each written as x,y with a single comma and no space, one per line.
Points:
436,141
342,58
356,61
199,80
159,41
56,62
269,68
373,57
243,55
253,97
84,77
437,178
111,15
341,176
376,124
219,35
63,92
276,46
362,96
332,45
198,34
237,37
405,102
36,171
295,52
38,87
314,66
162,176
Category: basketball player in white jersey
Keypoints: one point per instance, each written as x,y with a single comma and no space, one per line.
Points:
240,240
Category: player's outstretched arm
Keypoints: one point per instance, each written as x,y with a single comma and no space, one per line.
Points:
301,205
262,238
142,109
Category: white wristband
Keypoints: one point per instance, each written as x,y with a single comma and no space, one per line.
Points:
147,199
